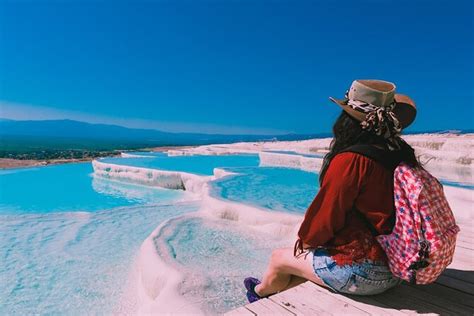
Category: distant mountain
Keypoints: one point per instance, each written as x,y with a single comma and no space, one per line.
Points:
75,129
69,134
47,135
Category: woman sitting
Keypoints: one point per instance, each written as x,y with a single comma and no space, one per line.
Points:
336,246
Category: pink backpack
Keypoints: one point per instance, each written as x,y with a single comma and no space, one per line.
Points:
422,242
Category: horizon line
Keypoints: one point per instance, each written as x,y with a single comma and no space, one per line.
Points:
27,112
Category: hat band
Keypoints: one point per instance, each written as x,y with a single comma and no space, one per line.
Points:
379,120
365,107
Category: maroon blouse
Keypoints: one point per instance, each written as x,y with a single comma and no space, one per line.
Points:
356,193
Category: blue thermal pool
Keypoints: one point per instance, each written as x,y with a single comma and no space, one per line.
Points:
215,256
68,240
68,188
73,262
280,189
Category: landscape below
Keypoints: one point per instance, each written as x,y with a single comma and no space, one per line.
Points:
171,232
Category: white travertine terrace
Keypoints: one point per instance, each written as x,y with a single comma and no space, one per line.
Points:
127,155
447,156
270,159
154,284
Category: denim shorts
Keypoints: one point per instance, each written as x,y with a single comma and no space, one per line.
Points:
364,278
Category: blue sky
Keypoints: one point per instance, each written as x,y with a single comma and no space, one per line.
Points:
232,66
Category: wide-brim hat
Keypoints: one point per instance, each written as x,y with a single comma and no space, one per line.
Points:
365,96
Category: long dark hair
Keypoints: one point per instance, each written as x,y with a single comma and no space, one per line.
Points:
348,132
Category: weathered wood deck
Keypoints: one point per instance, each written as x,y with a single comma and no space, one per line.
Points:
451,294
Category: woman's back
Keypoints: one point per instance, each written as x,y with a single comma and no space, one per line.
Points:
355,203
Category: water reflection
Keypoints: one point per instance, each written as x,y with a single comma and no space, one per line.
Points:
134,193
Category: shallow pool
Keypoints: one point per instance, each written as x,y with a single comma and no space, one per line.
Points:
215,257
73,263
68,239
280,189
69,188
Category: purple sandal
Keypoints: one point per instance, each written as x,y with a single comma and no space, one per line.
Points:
250,284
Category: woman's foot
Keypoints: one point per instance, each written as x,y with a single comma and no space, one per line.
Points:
250,284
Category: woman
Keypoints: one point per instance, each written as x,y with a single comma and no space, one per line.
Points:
336,246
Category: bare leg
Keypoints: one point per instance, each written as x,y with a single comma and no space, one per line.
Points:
281,270
295,281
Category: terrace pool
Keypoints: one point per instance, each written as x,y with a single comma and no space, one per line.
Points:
68,239
280,189
69,188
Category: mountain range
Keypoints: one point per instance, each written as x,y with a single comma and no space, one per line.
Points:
70,134
37,135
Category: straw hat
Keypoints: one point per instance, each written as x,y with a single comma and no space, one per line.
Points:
366,96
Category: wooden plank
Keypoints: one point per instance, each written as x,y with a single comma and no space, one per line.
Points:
330,303
411,302
258,308
463,259
466,276
465,235
466,230
442,302
267,307
276,309
464,251
240,311
457,284
452,294
466,244
467,224
449,294
299,301
365,303
465,238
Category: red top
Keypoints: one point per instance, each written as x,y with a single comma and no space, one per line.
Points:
353,183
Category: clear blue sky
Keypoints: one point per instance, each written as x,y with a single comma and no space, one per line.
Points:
232,66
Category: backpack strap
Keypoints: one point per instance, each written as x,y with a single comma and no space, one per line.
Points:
389,160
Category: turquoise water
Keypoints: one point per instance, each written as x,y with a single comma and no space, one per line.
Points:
73,263
68,239
201,165
66,188
215,257
469,186
280,189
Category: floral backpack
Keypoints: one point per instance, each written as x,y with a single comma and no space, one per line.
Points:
423,239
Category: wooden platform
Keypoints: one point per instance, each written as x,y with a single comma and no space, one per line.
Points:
452,294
